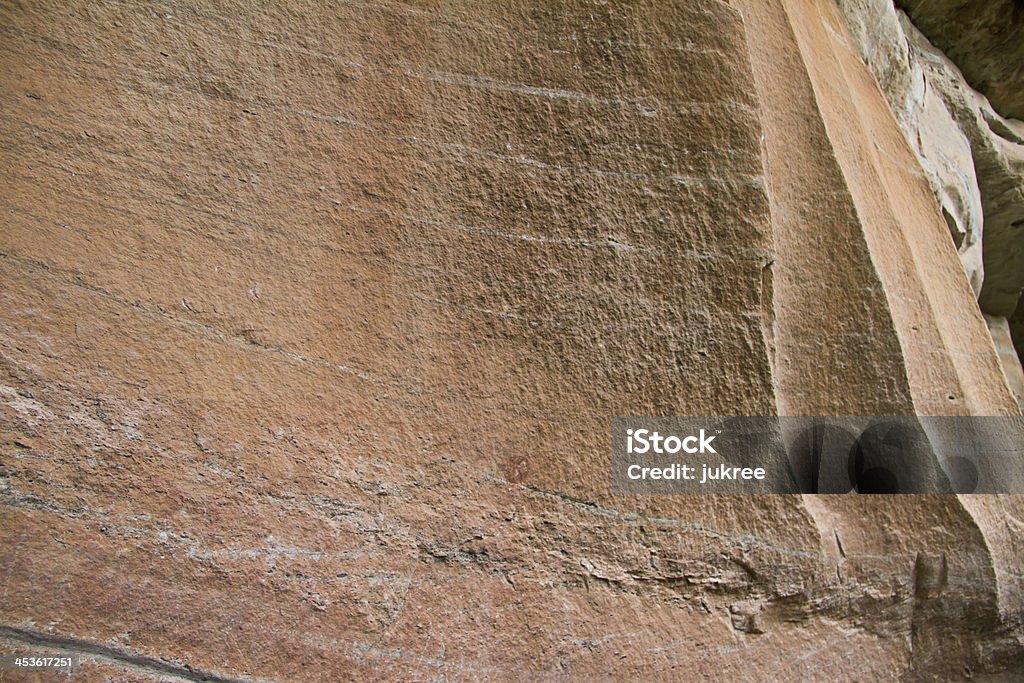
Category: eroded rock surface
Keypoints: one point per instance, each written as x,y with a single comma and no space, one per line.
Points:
973,157
986,40
313,319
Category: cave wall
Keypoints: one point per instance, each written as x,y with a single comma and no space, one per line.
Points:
313,319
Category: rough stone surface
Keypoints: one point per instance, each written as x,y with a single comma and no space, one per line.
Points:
1002,337
313,319
986,39
918,82
972,156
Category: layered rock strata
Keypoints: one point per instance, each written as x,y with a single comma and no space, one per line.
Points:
313,319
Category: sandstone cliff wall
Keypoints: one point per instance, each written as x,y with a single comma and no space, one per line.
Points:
972,156
313,319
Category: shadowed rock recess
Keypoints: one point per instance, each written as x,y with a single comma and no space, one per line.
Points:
313,318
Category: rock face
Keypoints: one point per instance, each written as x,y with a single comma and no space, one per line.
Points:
986,40
972,156
313,319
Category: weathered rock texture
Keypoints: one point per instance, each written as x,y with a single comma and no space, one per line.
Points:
986,39
972,156
313,319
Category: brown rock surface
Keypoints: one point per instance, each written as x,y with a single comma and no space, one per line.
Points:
973,157
313,319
